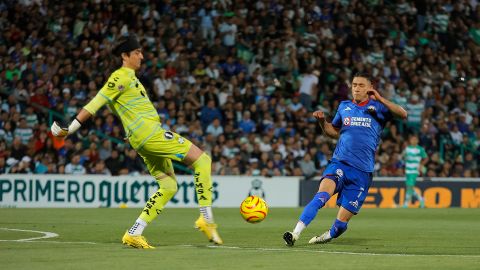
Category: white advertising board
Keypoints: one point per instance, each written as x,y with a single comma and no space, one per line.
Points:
18,190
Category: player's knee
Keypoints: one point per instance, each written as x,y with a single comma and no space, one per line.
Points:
168,185
203,161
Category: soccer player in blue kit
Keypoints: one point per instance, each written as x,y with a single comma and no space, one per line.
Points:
357,125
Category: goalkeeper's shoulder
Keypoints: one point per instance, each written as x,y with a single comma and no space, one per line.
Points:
119,80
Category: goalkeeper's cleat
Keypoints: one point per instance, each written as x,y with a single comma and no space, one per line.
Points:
322,239
136,241
209,229
290,238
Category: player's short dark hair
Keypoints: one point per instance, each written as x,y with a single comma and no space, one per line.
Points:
364,75
125,44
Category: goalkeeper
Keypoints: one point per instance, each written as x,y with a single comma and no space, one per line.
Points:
128,99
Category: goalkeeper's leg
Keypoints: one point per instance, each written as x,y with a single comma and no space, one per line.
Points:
202,165
168,187
162,170
156,203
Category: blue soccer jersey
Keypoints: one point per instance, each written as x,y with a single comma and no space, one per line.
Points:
360,128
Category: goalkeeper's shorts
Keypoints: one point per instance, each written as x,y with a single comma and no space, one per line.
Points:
160,148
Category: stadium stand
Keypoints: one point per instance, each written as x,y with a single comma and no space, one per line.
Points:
229,76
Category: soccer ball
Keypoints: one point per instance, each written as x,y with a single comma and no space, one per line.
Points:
253,209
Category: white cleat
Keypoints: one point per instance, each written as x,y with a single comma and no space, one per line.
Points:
322,239
290,238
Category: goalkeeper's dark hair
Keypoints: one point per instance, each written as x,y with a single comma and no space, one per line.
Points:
124,44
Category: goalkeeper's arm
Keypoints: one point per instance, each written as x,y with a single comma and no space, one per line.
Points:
108,93
59,131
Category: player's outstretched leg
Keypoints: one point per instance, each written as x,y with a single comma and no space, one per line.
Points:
203,187
308,214
335,231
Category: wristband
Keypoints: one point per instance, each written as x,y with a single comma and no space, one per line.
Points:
74,126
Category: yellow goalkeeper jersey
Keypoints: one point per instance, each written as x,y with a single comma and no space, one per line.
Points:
127,98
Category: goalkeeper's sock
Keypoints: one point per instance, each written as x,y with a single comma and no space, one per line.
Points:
156,202
203,179
313,206
138,227
207,213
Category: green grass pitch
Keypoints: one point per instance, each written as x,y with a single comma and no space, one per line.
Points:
375,239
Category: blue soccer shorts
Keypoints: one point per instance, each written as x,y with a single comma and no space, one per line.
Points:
352,184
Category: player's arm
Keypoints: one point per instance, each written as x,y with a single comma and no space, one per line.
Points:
327,128
395,109
109,92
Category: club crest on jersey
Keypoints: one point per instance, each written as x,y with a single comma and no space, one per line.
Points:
346,121
121,87
371,110
339,172
168,135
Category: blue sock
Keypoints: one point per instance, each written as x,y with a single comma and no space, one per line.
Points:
338,228
313,206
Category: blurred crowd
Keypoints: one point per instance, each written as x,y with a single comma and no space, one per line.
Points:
240,79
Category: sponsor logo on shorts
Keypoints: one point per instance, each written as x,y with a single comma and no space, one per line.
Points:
354,203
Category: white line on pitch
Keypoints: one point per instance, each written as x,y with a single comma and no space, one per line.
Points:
62,242
45,235
336,252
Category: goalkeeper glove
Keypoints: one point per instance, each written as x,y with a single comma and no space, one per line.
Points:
59,131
